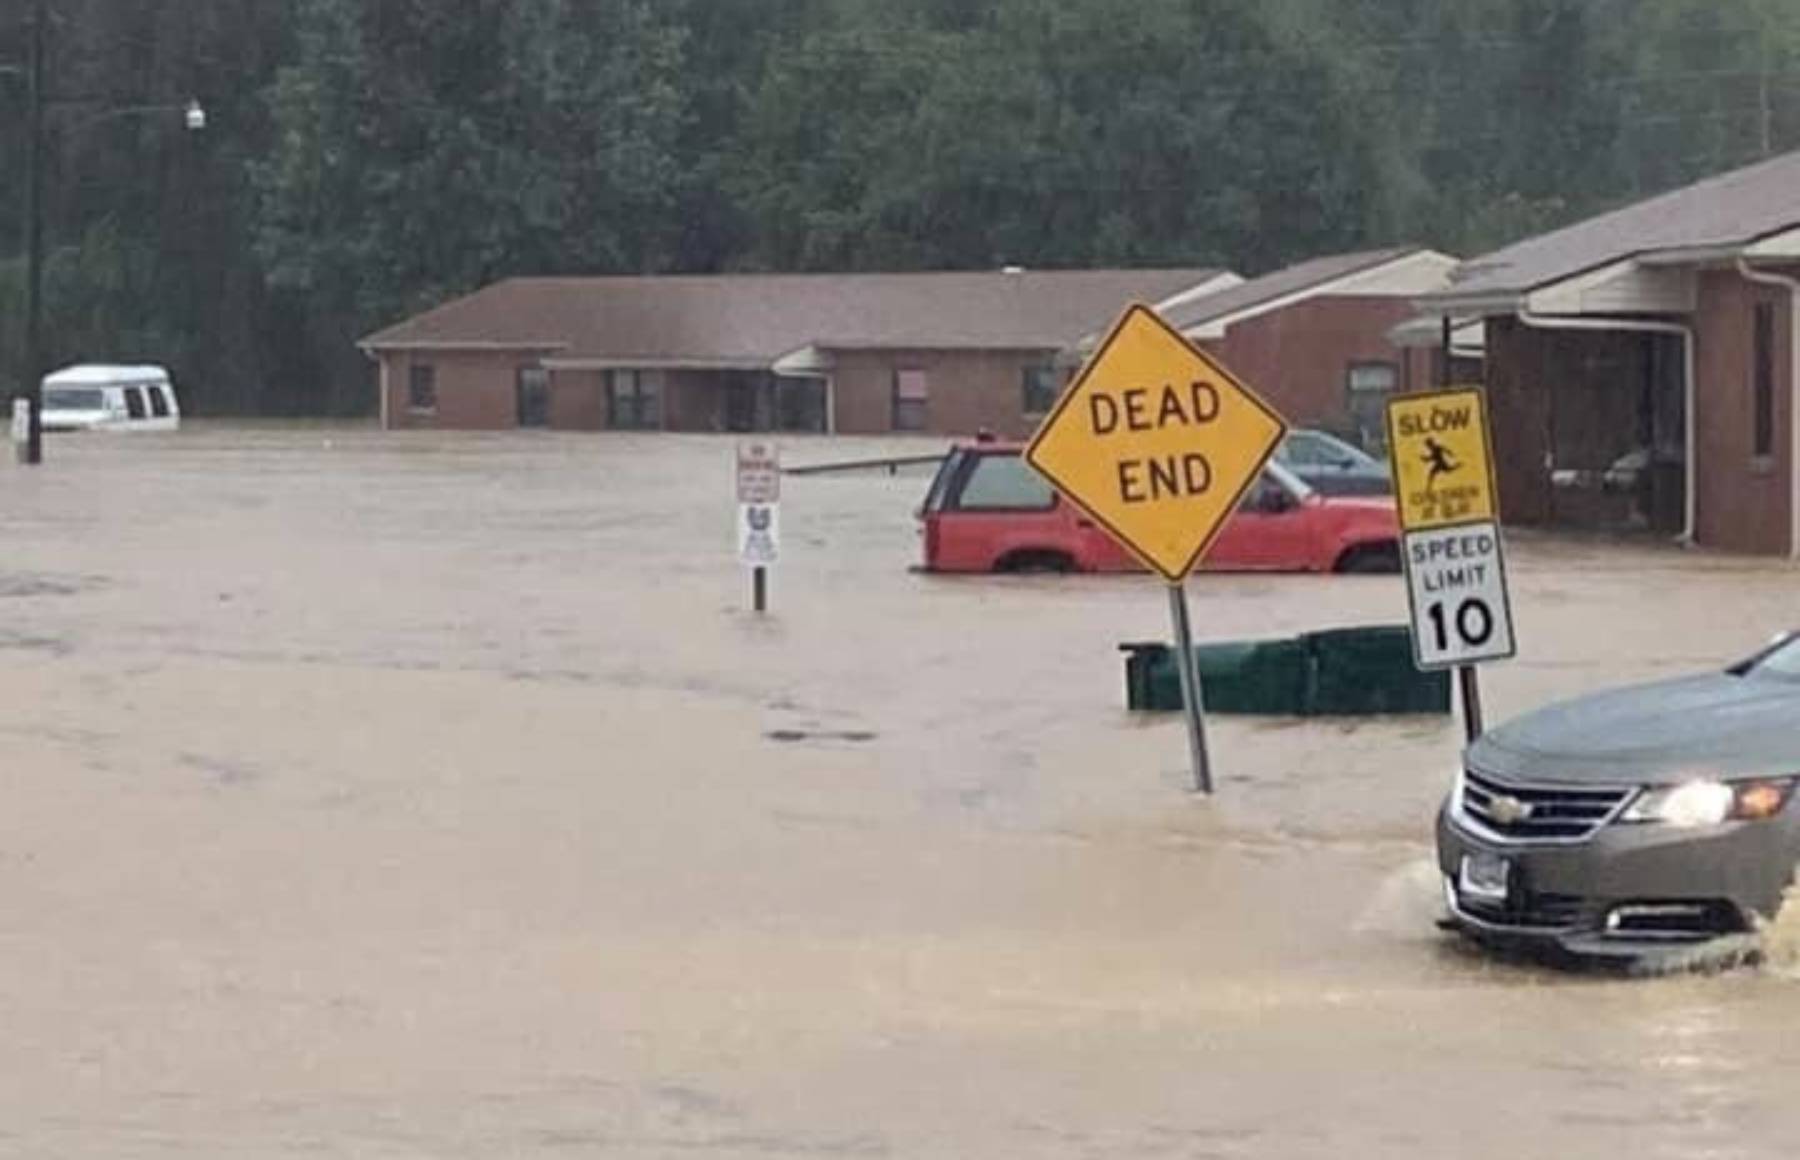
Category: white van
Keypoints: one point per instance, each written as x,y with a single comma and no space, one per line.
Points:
110,398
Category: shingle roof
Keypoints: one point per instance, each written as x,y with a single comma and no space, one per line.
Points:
1728,210
1309,275
754,319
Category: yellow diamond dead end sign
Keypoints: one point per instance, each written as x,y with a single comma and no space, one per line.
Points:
1157,442
1443,463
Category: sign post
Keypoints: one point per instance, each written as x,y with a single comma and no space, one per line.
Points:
759,516
1450,537
21,429
1158,444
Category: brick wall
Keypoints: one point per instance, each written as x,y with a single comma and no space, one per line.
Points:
1519,414
1743,501
970,390
475,390
578,400
1299,357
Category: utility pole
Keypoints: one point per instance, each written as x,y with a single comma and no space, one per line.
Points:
34,236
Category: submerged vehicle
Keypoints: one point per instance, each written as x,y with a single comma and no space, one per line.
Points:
110,398
988,511
1629,822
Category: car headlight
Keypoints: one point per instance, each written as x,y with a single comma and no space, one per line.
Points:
1711,803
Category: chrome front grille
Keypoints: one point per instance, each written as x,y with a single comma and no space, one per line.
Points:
1523,813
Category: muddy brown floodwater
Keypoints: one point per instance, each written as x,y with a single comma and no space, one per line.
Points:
397,797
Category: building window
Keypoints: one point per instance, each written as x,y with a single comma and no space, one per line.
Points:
421,387
1370,384
912,400
1043,385
1762,383
634,400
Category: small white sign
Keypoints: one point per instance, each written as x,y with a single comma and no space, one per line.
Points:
759,534
1456,579
21,421
759,473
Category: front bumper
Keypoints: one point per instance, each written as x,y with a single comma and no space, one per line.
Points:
1626,891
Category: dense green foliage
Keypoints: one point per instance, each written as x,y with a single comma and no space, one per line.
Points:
366,158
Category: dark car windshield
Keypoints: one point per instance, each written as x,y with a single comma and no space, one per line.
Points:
74,399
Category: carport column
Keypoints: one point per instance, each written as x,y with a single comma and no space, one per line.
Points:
1792,285
1189,670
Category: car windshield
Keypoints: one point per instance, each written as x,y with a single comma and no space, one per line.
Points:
74,399
1782,662
1317,449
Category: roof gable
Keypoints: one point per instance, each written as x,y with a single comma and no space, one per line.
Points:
1402,271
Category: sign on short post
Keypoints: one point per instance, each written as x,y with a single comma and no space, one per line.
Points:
1158,444
759,515
21,428
1450,531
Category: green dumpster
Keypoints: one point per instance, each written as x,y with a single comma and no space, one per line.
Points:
1264,678
1339,672
1249,677
1369,671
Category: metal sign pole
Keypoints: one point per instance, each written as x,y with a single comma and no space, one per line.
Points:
1471,702
1468,677
1190,687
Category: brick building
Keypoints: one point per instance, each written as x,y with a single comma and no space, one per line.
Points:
1318,339
948,353
1641,365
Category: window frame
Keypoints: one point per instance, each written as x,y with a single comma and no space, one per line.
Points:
159,401
1762,383
627,389
900,403
421,388
137,407
1029,376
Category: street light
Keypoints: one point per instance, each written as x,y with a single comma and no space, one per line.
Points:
193,115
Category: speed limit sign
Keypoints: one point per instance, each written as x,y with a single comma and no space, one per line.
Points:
1450,529
1457,580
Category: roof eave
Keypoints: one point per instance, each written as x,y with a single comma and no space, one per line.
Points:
378,345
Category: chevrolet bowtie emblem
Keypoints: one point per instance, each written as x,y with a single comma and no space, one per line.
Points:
1508,810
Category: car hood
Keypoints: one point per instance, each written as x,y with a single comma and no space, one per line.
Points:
1718,725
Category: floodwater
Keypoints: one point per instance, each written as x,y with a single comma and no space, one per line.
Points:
435,796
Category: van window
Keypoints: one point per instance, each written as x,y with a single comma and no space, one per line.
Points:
1005,483
74,399
134,402
159,402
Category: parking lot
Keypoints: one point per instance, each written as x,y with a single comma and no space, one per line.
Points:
421,796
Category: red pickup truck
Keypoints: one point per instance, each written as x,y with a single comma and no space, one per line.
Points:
988,511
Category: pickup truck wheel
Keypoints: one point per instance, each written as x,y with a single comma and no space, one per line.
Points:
1370,559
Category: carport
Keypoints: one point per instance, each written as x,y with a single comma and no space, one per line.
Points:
1642,366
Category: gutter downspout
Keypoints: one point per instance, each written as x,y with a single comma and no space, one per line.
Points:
1691,510
1792,285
